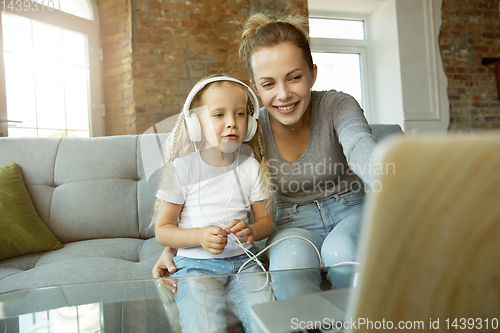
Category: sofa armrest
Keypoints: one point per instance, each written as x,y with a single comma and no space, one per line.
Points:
382,131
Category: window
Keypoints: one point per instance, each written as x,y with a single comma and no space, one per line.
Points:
339,29
402,77
81,8
338,48
50,82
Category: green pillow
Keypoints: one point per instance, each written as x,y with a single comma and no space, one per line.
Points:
22,231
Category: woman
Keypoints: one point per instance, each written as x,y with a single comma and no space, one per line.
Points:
315,143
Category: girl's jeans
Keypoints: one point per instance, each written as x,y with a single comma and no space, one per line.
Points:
333,225
202,300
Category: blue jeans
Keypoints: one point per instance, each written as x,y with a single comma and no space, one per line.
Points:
202,301
333,225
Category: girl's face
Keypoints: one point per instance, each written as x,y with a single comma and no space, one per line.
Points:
283,81
224,124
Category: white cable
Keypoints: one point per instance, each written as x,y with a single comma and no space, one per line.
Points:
345,263
254,257
199,190
234,187
260,264
250,255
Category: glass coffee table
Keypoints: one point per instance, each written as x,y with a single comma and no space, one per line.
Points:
116,306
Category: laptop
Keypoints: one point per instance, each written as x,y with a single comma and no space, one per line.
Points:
318,312
430,246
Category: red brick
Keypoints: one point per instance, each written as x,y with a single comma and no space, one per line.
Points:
188,24
183,7
168,34
168,6
153,5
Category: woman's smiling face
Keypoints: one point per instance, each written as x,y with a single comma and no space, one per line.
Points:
283,80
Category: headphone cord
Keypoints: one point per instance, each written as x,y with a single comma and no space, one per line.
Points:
252,256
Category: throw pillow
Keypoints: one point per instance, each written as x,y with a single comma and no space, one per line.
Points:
22,231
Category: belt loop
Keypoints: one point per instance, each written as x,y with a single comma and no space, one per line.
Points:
294,209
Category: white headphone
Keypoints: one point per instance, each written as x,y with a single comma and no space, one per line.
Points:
193,124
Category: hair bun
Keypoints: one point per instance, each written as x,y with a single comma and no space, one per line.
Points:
261,30
253,23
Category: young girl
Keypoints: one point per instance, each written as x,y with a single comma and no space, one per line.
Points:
212,182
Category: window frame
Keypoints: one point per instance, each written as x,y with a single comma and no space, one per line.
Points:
81,25
353,46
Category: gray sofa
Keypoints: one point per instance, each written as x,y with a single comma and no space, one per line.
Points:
93,195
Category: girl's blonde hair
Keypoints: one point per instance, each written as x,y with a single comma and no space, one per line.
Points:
263,30
179,145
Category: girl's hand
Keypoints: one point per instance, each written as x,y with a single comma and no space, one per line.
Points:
165,264
240,229
164,267
213,239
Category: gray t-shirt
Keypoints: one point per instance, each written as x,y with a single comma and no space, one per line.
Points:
340,146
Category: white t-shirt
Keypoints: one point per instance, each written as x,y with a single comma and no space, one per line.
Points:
210,195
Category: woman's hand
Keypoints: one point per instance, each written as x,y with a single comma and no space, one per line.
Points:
164,267
241,229
213,239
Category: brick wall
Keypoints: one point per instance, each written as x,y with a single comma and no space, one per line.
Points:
116,32
155,51
471,31
176,43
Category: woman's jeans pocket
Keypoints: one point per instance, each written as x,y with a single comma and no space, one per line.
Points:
353,197
284,215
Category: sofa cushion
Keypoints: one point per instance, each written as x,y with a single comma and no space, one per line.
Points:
111,259
96,158
146,197
21,229
35,157
83,270
92,209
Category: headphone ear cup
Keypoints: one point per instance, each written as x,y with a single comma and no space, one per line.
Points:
193,127
251,128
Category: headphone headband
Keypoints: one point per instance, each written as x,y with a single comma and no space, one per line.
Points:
200,85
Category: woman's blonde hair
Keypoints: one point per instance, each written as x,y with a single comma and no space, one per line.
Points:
179,145
263,30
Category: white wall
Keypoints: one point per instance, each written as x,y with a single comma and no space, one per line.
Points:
423,82
406,77
385,68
